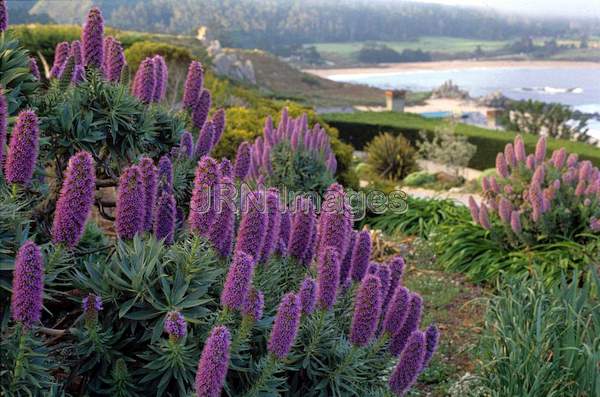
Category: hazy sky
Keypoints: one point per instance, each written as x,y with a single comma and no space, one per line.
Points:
579,8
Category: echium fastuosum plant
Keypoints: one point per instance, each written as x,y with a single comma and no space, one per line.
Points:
22,150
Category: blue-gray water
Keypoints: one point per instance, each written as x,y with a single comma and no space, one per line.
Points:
575,86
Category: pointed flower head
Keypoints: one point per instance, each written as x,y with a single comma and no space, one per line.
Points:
273,224
75,52
61,53
367,309
431,342
144,82
22,149
204,142
225,168
238,281
186,145
335,220
242,161
75,201
164,220
361,255
218,122
34,69
540,150
175,325
283,239
193,85
252,225
501,166
161,74
346,264
308,295
254,305
285,326
301,229
3,16
509,155
202,204
92,38
520,153
149,179
115,62
165,175
201,109
222,230
410,324
559,157
3,125
396,265
410,364
484,219
214,362
328,278
505,210
130,211
397,311
28,285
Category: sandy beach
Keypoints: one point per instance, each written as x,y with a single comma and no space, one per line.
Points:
391,68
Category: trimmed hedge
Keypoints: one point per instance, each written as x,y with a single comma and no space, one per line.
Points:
360,128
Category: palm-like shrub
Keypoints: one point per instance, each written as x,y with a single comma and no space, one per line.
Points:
391,157
15,76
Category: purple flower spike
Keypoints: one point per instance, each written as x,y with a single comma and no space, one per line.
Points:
540,150
28,285
505,210
3,16
161,74
410,365
397,311
78,74
308,295
115,62
204,142
149,179
75,201
242,161
285,326
213,364
34,69
193,85
273,225
92,38
431,342
285,227
335,220
238,281
164,221
520,153
361,255
75,52
165,175
3,124
186,145
484,219
222,229
175,325
22,149
252,226
130,204
328,278
255,304
367,309
346,265
559,158
572,160
108,43
61,54
302,229
396,266
410,324
501,166
200,111
384,274
509,155
143,82
91,303
218,121
202,204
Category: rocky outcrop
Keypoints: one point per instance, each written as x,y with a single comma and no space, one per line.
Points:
449,90
227,63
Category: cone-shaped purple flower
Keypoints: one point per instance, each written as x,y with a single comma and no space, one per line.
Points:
218,122
164,218
204,142
242,161
149,179
143,82
213,364
115,62
302,229
410,324
409,366
75,52
78,74
28,285
186,145
34,69
225,168
161,74
334,222
572,160
396,265
92,38
273,225
254,305
193,85
367,309
484,219
308,295
108,42
175,325
312,245
252,226
397,311
22,149
222,229
61,54
431,342
509,155
346,264
505,210
3,16
75,201
520,153
328,278
3,125
540,150
558,159
238,281
201,109
501,166
202,204
285,227
285,326
361,255
384,274
130,204
165,175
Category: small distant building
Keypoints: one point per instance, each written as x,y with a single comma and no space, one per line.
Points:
492,117
395,100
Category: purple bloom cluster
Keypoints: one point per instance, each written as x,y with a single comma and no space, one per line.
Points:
164,220
201,109
61,54
202,204
302,229
218,122
283,239
75,52
92,39
91,303
193,85
396,266
114,61
254,305
75,201
238,281
149,180
396,311
360,255
186,145
367,309
225,168
308,295
22,149
130,211
222,230
273,224
165,175
252,226
213,364
34,69
410,364
431,342
3,16
285,326
143,82
161,74
3,124
28,285
175,325
205,139
410,324
242,161
328,278
78,74
335,220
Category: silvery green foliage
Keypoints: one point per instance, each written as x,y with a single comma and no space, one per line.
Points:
447,147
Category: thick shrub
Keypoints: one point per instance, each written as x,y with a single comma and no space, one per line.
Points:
391,157
419,178
16,80
143,49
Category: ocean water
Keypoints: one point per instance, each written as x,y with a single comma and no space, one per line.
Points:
578,87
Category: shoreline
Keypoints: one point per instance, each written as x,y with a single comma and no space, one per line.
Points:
394,68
